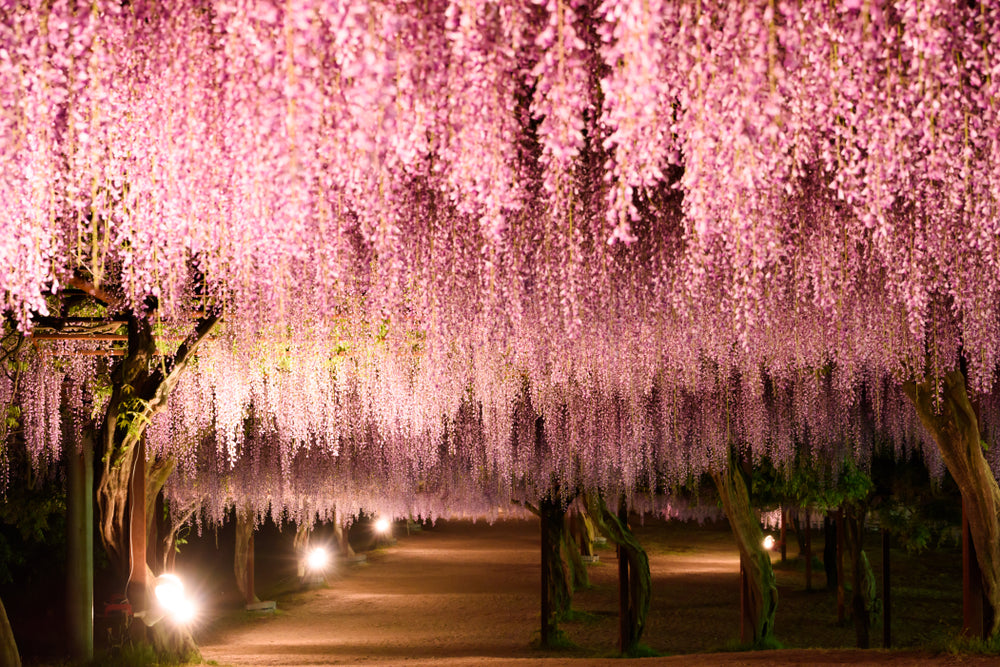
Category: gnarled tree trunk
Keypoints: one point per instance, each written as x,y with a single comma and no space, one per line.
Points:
243,559
300,545
9,657
639,580
572,558
157,474
756,562
950,417
140,387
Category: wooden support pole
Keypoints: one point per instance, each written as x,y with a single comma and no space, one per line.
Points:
886,592
137,539
841,606
80,549
805,525
784,518
545,583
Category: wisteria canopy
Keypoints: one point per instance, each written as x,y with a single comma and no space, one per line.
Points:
665,228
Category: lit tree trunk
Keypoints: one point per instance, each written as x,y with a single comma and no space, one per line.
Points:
639,579
300,545
243,561
346,551
581,528
177,521
9,656
571,556
951,419
157,474
864,600
756,562
140,387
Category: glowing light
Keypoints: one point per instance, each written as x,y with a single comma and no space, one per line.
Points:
317,559
185,612
768,542
382,525
169,592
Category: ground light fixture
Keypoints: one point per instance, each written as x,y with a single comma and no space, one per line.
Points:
382,525
317,559
768,543
171,601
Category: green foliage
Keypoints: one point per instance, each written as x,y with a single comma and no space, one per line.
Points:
808,482
641,651
966,645
132,415
557,641
768,643
32,528
142,655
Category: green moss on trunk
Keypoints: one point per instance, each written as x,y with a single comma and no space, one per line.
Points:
762,590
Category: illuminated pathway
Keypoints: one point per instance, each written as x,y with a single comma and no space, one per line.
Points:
464,595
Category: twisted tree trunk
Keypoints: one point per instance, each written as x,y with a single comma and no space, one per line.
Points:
950,417
157,474
639,579
140,388
300,545
243,559
756,562
9,657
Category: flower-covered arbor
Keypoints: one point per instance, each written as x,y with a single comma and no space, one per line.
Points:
675,228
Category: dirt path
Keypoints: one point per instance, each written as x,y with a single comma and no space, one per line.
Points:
464,594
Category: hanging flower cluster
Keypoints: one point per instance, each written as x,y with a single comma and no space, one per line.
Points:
650,223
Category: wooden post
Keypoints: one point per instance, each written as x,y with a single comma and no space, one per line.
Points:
136,589
886,593
841,610
784,517
545,583
808,544
624,618
80,547
972,585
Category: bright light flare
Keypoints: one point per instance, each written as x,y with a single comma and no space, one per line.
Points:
382,525
768,542
169,591
185,613
317,559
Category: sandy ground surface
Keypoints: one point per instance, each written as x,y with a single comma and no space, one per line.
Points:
466,594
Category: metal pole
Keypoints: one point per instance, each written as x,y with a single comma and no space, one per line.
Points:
784,517
886,593
624,619
841,611
545,577
809,556
80,549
